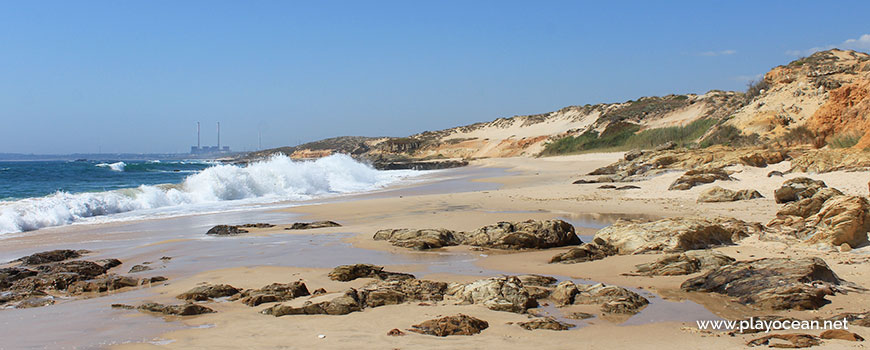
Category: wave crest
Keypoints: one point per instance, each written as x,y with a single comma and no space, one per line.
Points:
276,179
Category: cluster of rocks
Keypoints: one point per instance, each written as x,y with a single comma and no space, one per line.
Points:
772,283
40,277
815,213
613,299
667,235
639,165
718,194
802,340
232,230
698,177
531,234
684,263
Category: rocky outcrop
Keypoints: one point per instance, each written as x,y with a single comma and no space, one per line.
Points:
786,341
225,230
697,177
823,215
451,325
393,292
772,283
666,235
210,291
312,225
104,284
535,234
419,239
497,293
531,234
328,304
188,309
840,334
612,299
797,189
346,273
549,323
274,292
841,220
257,225
685,263
51,256
718,194
595,250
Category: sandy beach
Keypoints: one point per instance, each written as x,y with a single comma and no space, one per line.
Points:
493,190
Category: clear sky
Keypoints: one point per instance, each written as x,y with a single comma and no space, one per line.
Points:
135,76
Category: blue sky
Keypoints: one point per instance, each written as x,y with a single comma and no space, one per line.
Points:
135,76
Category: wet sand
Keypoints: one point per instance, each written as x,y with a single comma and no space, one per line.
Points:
462,199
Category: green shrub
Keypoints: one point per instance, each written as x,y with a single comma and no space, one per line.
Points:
614,136
681,135
730,136
845,140
799,136
753,89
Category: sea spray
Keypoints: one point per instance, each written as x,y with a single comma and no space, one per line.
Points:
276,179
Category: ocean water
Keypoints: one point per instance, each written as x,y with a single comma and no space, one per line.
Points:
35,195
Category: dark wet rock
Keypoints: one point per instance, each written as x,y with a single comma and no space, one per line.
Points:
150,280
536,234
108,263
257,225
419,239
274,292
83,268
537,280
775,173
497,293
607,187
584,181
395,332
165,258
51,256
583,253
140,268
9,275
545,323
210,291
579,316
451,325
613,299
381,164
667,235
319,291
797,189
627,187
188,309
697,177
225,230
840,334
854,318
786,341
393,292
104,284
717,194
312,225
329,304
123,306
346,273
685,263
772,283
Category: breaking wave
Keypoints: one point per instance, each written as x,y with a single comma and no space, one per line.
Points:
119,166
273,180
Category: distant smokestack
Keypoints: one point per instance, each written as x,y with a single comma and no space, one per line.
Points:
197,135
219,136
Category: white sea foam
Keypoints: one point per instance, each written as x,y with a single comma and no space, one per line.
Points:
220,186
119,166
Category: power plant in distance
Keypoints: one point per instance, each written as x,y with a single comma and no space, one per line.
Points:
198,149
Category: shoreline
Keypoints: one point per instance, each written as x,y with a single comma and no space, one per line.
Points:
528,189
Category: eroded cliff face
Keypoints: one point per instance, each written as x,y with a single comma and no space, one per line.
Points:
828,93
813,88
